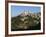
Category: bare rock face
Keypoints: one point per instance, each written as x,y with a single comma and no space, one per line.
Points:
25,14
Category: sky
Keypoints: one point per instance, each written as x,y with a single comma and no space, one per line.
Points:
16,10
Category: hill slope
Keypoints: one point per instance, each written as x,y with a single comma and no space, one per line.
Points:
26,21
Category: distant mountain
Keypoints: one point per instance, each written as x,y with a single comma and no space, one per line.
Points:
26,20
